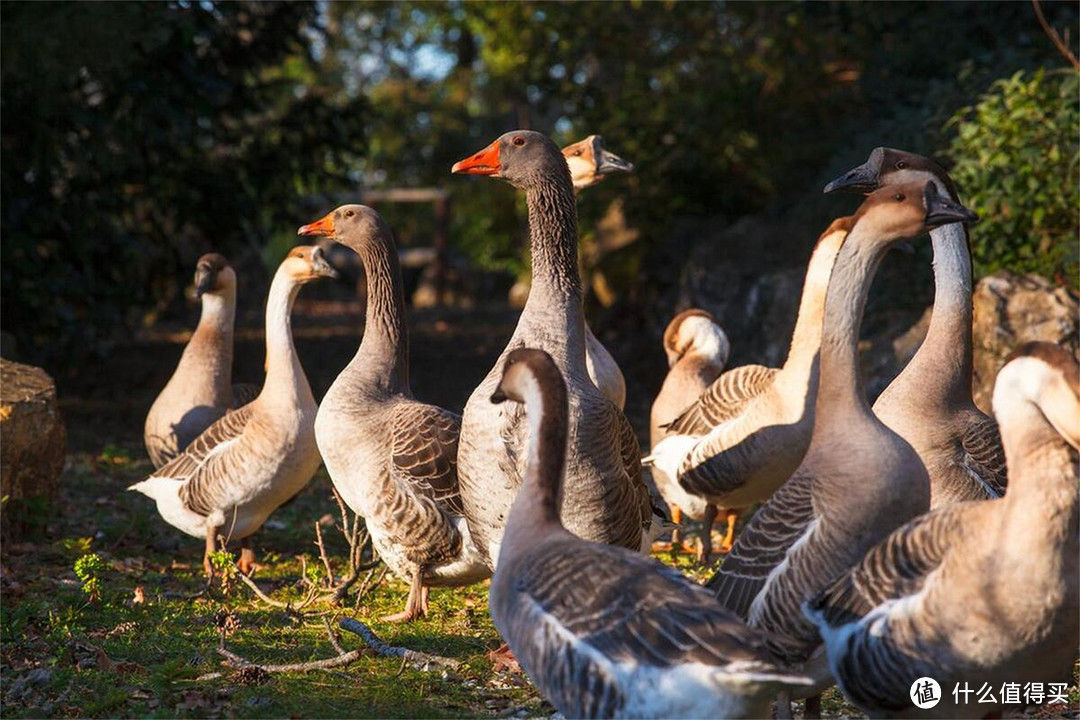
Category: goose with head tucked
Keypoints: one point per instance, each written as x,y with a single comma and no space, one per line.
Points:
697,350
201,389
859,480
974,593
745,435
604,499
392,457
604,631
252,460
929,403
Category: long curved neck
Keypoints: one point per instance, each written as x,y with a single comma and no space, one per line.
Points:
211,345
537,502
942,367
384,352
556,295
841,388
806,338
283,371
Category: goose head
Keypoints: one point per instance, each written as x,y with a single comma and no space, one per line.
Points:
695,332
899,212
524,158
306,263
529,375
590,163
354,226
1040,382
887,166
213,275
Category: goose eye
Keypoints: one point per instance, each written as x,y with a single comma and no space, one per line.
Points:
519,141
577,153
901,164
898,197
349,213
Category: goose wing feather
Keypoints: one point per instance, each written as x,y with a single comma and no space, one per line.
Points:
424,452
208,462
227,428
763,545
984,457
722,400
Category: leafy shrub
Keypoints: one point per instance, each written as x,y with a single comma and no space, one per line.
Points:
1016,161
88,568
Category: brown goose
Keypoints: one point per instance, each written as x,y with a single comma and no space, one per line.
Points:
200,390
697,350
929,404
603,631
976,592
859,479
393,458
249,462
604,499
745,436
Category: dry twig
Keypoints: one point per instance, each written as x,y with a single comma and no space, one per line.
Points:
1055,38
419,660
344,657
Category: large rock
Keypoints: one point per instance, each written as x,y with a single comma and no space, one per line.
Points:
32,445
1011,310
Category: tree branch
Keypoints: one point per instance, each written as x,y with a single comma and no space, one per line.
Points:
419,660
1054,37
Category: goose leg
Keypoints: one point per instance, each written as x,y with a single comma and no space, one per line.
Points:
246,563
813,708
783,705
704,555
676,534
729,534
211,547
415,606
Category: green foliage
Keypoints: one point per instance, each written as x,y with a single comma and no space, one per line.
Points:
1017,159
87,569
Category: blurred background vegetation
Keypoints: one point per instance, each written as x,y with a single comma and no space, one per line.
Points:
137,136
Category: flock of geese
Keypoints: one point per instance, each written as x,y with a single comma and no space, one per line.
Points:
887,548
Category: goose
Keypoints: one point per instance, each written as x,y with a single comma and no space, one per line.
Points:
929,403
604,631
605,499
589,163
859,479
252,460
749,431
975,592
697,350
392,457
200,390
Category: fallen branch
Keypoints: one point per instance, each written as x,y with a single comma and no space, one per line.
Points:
344,657
419,660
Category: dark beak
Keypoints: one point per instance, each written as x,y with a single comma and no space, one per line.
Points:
498,396
205,277
940,210
863,179
320,266
608,163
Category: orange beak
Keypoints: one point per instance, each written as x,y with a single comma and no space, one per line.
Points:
485,162
324,227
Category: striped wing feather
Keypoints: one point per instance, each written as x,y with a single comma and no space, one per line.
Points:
984,456
723,400
204,462
763,545
424,452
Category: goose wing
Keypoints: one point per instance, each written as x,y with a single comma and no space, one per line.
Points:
424,452
207,463
984,457
723,400
763,545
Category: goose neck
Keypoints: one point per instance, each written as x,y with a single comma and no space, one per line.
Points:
806,337
211,345
283,371
384,351
841,389
553,243
537,503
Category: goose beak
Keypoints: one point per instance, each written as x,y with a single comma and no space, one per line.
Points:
940,210
607,162
498,396
323,227
485,162
204,280
319,265
863,179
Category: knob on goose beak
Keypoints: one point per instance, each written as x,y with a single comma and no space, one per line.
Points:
498,396
863,179
485,162
608,162
940,210
323,227
205,277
